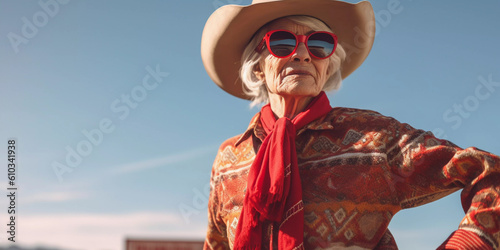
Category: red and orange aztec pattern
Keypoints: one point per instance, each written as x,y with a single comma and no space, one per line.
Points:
359,168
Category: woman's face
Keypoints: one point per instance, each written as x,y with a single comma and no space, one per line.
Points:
298,75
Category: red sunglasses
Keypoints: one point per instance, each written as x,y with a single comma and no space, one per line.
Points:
283,43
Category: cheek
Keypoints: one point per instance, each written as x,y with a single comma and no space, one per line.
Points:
323,71
273,68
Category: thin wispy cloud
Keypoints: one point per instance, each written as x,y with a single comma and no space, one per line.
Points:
105,230
163,161
411,239
58,196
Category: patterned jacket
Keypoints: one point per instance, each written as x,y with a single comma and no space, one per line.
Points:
359,168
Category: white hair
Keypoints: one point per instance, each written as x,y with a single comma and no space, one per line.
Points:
256,89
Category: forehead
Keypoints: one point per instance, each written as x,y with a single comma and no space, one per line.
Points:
287,24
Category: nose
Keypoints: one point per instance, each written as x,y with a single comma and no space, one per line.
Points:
301,54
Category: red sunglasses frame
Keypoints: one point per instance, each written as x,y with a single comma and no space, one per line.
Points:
298,39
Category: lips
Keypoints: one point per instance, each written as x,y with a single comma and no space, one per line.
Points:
299,72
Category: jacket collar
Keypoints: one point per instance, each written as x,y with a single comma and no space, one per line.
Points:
255,127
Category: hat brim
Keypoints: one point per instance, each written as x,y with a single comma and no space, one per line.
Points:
229,29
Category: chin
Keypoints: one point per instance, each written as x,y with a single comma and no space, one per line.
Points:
302,91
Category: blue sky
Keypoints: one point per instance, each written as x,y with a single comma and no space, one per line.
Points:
77,68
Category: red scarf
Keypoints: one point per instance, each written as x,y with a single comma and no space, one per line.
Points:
274,189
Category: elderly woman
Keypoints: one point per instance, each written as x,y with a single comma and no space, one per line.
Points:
305,175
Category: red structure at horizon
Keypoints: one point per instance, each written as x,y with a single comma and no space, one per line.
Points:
136,244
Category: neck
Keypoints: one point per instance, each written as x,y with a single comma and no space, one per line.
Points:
288,106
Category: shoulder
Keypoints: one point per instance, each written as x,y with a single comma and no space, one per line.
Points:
230,142
355,113
233,153
369,122
226,153
352,121
339,116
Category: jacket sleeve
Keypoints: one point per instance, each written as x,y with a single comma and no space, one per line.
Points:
216,237
425,169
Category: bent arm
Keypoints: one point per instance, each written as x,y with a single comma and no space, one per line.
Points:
425,169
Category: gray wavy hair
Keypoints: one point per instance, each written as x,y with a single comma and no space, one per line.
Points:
256,89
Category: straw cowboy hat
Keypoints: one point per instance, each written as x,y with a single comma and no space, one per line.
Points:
229,29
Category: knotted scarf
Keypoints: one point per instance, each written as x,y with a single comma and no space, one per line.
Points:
274,189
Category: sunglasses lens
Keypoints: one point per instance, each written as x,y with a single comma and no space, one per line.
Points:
321,44
282,43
